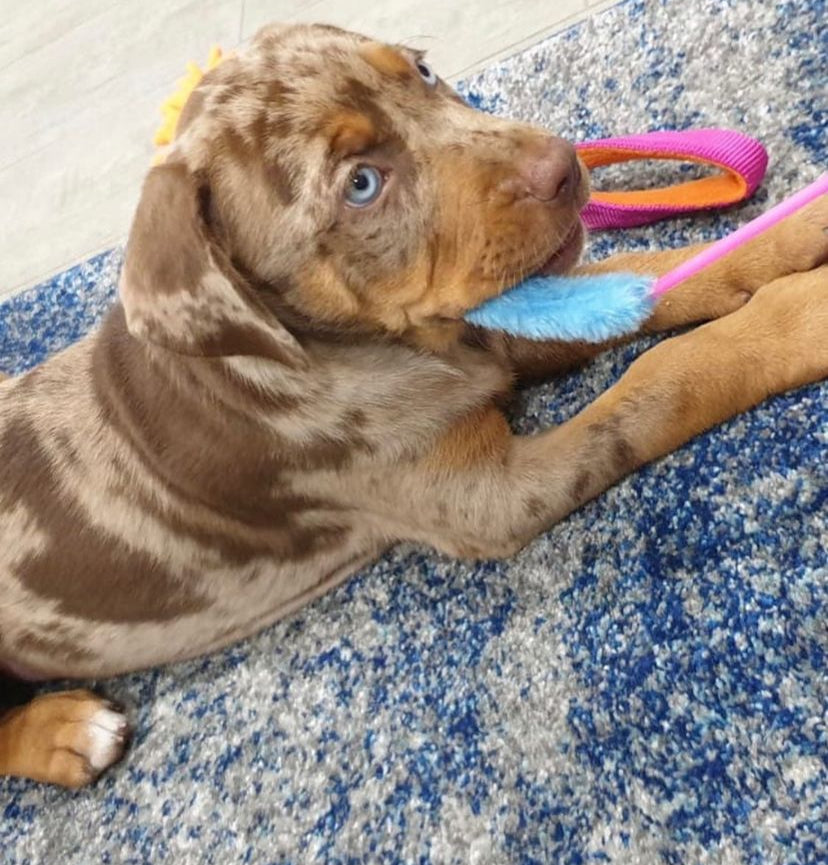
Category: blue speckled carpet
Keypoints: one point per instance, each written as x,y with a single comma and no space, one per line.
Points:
645,684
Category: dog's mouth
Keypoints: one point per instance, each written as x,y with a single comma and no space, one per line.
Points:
566,256
561,261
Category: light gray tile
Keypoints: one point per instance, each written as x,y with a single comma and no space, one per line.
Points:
24,28
75,197
107,58
456,34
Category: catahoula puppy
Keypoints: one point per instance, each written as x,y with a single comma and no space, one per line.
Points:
286,386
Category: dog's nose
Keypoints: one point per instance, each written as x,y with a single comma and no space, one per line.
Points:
548,171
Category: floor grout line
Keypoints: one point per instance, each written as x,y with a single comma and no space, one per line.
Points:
535,38
53,273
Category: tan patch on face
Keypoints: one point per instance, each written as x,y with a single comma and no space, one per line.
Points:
438,336
482,437
386,60
351,133
448,279
485,239
325,296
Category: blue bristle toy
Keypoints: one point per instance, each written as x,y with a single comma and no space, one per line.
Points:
588,308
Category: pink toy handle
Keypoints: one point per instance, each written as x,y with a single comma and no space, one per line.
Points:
742,235
741,160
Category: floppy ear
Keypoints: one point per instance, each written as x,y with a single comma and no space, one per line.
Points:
178,287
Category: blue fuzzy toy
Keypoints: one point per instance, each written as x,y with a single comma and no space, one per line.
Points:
588,308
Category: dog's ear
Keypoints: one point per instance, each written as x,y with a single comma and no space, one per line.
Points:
178,287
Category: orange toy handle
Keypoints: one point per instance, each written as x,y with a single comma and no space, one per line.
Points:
741,161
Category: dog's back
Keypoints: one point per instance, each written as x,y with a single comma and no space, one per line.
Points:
127,515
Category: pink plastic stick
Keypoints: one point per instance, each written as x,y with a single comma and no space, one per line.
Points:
742,235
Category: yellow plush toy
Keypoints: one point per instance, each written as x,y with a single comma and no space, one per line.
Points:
174,104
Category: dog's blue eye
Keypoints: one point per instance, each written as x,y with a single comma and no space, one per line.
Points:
427,73
364,186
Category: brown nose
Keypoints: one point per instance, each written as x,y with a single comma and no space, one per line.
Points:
548,171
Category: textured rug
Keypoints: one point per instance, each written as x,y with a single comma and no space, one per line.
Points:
647,683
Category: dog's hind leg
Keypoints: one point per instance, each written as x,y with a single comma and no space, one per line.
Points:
66,738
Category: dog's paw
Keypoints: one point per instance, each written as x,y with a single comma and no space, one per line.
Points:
794,313
801,240
73,736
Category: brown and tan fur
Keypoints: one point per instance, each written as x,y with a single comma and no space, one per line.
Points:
286,387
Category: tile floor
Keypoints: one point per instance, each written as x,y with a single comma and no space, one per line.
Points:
81,82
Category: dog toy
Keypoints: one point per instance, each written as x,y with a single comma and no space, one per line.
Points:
601,307
173,105
741,162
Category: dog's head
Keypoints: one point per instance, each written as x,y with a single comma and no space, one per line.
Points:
327,179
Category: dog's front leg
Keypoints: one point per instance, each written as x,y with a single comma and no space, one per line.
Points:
482,492
796,245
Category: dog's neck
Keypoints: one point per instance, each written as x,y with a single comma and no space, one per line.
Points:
439,336
220,431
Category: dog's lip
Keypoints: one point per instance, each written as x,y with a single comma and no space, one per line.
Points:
565,254
561,261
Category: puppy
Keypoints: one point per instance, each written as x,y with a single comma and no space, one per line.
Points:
286,386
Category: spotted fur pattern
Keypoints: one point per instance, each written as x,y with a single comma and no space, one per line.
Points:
286,387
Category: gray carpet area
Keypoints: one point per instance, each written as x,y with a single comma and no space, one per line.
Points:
645,684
